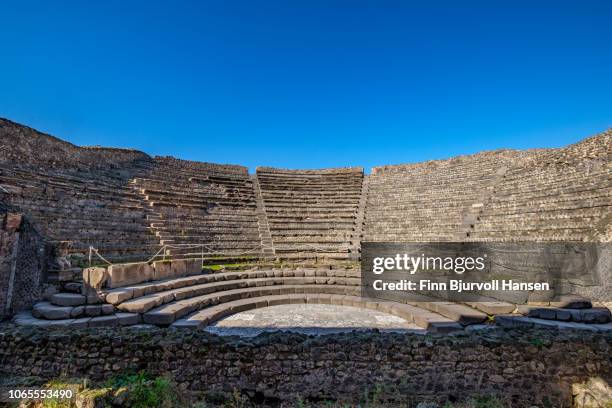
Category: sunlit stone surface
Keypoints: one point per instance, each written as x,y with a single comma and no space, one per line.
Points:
310,319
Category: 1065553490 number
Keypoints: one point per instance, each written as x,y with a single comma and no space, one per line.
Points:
36,393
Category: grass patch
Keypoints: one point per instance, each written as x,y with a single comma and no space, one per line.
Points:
144,390
218,267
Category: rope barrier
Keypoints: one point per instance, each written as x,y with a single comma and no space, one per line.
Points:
156,254
95,251
213,251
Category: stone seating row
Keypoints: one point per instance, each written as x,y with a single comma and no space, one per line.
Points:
583,315
311,214
560,185
205,207
198,167
127,292
184,180
282,195
153,301
94,181
111,320
86,208
428,320
103,217
424,202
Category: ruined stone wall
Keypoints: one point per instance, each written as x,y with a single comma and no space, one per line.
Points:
22,264
523,368
22,145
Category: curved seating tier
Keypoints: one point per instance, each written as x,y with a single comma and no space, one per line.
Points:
427,201
85,209
557,202
193,203
312,213
423,318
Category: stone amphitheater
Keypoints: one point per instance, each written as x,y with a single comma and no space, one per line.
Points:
94,236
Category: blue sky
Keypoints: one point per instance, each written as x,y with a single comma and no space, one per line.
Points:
309,84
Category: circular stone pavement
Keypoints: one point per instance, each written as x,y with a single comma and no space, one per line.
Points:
310,319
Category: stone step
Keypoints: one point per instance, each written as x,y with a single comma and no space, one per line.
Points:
116,296
455,311
73,287
514,321
147,302
492,307
593,315
68,299
48,311
423,318
167,314
116,319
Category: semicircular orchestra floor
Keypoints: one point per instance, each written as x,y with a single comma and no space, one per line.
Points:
310,319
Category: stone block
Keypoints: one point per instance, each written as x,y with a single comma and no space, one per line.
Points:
193,266
95,277
119,295
104,321
128,319
129,274
44,310
162,270
93,310
80,323
94,280
77,311
107,309
67,299
563,315
548,314
596,315
178,267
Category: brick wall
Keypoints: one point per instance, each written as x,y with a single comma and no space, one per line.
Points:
523,368
22,263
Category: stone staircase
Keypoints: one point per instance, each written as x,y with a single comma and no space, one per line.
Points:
73,309
472,214
359,220
267,244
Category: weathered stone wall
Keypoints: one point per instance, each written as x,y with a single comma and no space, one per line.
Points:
22,263
523,368
23,145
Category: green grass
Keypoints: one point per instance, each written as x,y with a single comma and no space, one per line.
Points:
145,390
218,267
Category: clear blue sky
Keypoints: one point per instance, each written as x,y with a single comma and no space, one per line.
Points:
307,84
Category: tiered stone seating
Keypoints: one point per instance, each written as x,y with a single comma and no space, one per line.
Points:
87,209
75,310
312,213
181,294
428,201
558,195
193,203
198,300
